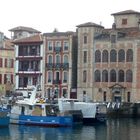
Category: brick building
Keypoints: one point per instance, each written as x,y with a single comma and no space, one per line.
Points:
108,59
60,69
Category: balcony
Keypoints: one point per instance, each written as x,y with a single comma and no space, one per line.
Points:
56,82
28,70
57,49
49,66
65,66
58,66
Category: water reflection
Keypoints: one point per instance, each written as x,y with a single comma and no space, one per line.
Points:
117,129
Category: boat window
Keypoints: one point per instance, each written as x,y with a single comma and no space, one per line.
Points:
22,110
30,107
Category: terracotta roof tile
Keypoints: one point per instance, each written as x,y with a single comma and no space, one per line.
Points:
59,33
126,12
31,39
89,24
22,28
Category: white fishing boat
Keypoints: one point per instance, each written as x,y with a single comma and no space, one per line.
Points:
29,112
92,112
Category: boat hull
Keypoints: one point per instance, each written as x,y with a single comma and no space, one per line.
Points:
50,121
4,121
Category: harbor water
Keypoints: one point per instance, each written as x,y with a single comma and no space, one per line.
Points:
114,129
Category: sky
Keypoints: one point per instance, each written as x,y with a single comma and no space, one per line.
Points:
65,15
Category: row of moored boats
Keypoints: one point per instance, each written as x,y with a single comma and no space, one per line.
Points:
55,113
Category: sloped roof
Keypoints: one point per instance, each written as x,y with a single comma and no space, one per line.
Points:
31,39
22,28
133,33
89,24
59,33
126,12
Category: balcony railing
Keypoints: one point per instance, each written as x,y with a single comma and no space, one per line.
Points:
57,49
49,65
29,54
29,70
64,66
56,81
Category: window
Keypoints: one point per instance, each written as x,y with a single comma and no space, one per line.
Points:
50,45
65,77
85,39
97,56
84,76
65,94
104,96
9,63
121,56
49,76
58,44
124,21
121,76
50,59
57,58
66,46
0,62
85,56
113,38
112,76
7,78
129,76
113,56
105,76
128,96
65,59
57,76
129,55
97,76
105,56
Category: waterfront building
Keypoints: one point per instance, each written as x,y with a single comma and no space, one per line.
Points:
6,65
22,32
61,64
108,59
29,59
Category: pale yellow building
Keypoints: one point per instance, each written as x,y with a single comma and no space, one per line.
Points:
6,66
108,59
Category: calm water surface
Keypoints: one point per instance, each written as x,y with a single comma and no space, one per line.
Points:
114,129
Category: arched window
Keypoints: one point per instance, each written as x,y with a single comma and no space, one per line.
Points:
105,76
112,76
105,56
97,76
49,76
57,58
65,59
121,56
97,56
84,76
129,55
121,76
50,59
129,76
65,77
113,56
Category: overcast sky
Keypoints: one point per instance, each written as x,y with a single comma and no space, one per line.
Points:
45,15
